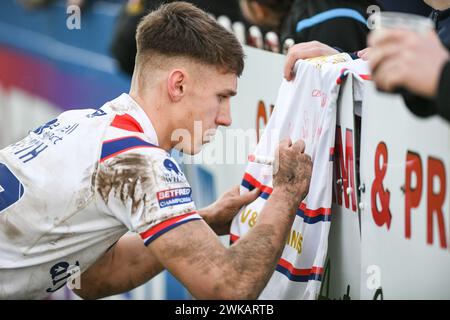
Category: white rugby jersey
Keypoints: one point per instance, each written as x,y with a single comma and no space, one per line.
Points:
305,109
74,186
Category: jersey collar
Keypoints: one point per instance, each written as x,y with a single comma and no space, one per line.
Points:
136,111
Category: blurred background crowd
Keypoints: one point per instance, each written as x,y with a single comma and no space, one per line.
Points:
94,62
273,25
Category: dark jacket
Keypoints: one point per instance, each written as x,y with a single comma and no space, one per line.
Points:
337,23
407,6
442,20
423,107
443,97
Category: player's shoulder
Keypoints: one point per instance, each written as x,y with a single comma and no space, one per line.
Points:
125,136
130,144
129,131
144,174
127,147
140,158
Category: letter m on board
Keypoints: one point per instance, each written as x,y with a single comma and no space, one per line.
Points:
344,169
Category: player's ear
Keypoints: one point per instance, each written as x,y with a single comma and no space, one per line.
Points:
176,84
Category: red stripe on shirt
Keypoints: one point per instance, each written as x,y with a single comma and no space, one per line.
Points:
299,272
233,238
314,212
164,225
286,264
308,212
250,179
126,122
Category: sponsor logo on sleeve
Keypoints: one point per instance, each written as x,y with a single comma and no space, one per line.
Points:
172,173
173,197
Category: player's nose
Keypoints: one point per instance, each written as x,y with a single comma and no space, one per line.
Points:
224,116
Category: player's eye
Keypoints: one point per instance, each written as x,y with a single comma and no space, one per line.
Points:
221,98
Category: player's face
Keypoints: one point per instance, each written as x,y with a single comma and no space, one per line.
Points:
206,106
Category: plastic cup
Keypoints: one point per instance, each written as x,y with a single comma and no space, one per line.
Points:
398,20
383,21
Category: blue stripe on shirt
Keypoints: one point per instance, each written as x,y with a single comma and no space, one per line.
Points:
114,146
330,14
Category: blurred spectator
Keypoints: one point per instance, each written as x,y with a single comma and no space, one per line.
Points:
419,102
406,6
425,86
266,14
441,16
337,23
229,8
124,44
82,4
35,4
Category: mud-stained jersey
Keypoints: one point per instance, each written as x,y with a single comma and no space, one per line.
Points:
74,186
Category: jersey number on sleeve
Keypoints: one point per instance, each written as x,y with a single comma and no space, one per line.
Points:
11,190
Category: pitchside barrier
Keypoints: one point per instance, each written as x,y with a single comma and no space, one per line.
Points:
390,222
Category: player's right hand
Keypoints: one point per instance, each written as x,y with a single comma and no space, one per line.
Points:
292,169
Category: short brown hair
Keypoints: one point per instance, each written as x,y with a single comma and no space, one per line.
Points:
181,29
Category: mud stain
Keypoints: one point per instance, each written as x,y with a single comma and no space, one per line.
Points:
119,107
9,229
129,177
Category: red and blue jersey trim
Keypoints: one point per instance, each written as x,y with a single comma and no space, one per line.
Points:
312,216
114,147
251,183
345,72
299,275
126,122
161,228
309,216
294,274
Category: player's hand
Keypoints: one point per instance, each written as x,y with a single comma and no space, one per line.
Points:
305,50
407,59
293,169
220,214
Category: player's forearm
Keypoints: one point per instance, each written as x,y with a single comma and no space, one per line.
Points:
207,215
105,284
116,282
254,256
124,267
219,225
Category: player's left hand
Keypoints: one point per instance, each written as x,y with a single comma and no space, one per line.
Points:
219,214
406,59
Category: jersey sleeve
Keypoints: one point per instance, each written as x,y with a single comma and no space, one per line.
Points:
145,189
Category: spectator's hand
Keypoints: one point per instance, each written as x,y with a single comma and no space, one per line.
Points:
364,53
406,59
305,50
220,214
292,169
